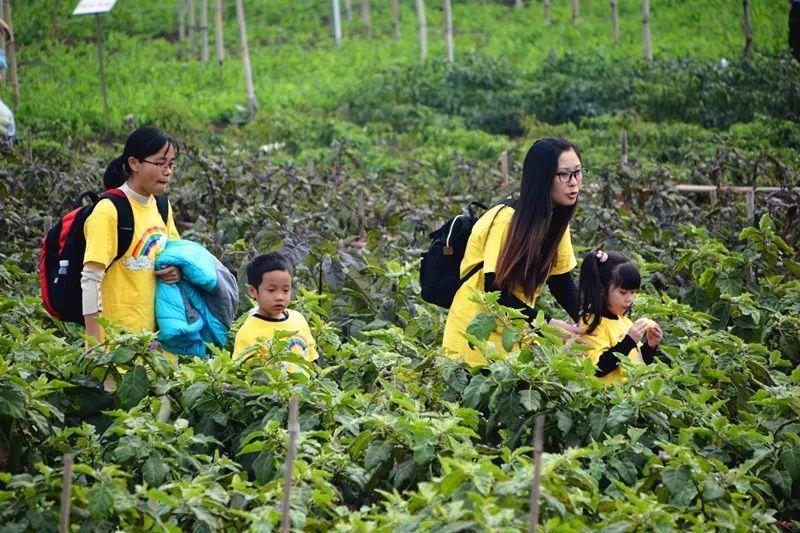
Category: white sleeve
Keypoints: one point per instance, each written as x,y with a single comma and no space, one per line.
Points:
91,279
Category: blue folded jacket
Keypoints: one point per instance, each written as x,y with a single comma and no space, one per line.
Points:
200,308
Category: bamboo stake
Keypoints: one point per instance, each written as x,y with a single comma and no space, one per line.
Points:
548,19
248,72
101,62
615,21
423,30
204,31
504,168
538,448
309,166
348,9
29,145
448,31
748,34
337,23
396,19
365,18
648,45
623,147
576,8
66,493
750,204
291,452
11,55
192,26
218,36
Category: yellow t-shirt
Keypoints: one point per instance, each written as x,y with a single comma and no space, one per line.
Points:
258,327
128,290
608,333
484,244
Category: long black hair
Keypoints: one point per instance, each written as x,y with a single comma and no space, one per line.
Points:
141,144
597,278
537,226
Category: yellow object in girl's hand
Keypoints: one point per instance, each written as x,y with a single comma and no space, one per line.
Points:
650,323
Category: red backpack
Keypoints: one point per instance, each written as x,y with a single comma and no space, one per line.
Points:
64,245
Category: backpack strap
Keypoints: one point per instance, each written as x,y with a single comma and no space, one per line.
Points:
124,220
162,203
479,266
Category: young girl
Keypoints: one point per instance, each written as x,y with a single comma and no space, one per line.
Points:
608,285
124,290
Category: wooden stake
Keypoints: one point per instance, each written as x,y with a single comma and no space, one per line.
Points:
337,23
309,166
538,448
423,30
365,19
248,72
648,45
192,26
615,21
623,147
748,34
11,55
291,452
66,493
547,15
204,31
518,4
576,8
348,9
448,30
712,195
29,145
750,202
504,168
218,36
101,63
396,19
181,20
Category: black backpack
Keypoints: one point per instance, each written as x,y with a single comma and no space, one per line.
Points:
64,245
440,272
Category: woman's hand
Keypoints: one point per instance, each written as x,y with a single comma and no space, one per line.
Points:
170,274
654,335
566,326
638,329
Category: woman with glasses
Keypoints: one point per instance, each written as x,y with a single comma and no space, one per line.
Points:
120,285
523,244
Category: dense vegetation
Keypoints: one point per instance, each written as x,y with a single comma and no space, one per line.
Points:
393,436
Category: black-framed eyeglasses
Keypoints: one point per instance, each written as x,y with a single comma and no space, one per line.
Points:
164,166
566,177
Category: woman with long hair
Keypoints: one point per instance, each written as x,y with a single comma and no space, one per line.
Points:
523,245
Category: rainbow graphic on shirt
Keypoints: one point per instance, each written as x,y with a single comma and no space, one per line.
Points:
150,244
297,342
154,239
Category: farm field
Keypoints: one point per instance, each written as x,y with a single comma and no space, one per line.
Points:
353,156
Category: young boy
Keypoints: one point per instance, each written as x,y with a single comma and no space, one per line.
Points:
269,283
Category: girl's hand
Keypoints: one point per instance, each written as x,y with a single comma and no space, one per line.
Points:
638,328
170,274
654,335
566,326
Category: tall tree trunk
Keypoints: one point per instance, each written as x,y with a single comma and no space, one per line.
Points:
248,72
576,8
423,30
448,30
365,19
396,19
748,34
348,9
218,36
204,31
648,45
11,55
337,23
548,19
615,20
192,23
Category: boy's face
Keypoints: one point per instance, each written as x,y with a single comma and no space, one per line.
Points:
273,294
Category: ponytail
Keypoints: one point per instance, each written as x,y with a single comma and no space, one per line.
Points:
591,292
596,279
115,175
